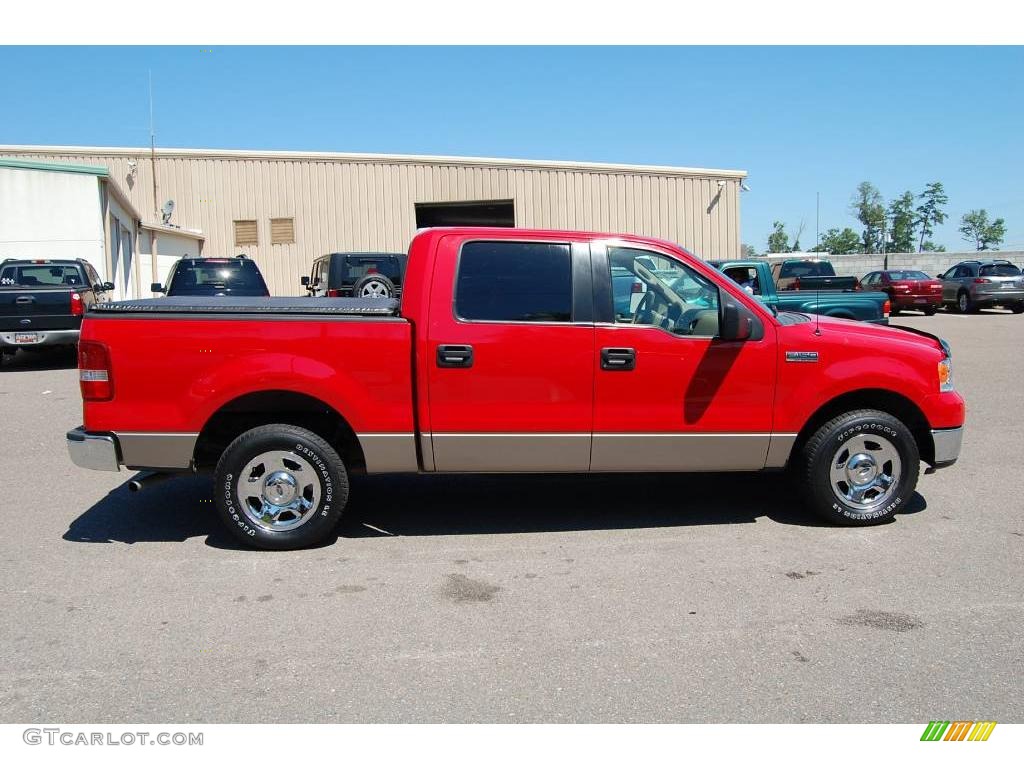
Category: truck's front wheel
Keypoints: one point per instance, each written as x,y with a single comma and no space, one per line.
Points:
280,487
860,468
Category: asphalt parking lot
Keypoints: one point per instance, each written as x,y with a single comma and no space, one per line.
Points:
679,599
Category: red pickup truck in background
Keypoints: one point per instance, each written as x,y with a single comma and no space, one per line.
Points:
508,354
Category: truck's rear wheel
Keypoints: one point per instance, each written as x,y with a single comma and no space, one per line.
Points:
280,487
860,468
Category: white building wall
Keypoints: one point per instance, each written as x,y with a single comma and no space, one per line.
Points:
51,215
170,248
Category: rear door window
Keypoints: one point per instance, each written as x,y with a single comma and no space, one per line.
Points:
514,282
216,275
45,275
999,270
808,269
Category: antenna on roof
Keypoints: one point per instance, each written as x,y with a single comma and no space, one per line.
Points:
817,244
152,141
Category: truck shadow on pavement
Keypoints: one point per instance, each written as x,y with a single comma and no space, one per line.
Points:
411,505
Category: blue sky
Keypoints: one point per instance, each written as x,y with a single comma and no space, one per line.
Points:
799,120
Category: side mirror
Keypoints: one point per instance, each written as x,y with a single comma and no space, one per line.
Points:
734,324
107,286
305,281
156,288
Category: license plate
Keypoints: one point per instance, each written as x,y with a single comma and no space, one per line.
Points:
920,301
26,338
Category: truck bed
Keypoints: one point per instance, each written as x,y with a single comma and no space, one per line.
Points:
251,305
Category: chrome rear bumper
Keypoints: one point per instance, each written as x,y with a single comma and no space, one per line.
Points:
134,450
92,451
947,445
43,338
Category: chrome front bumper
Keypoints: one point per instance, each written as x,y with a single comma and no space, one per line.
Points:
947,445
93,451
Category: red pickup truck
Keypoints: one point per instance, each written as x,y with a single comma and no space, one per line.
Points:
508,354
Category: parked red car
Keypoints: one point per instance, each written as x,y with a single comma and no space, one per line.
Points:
507,355
907,289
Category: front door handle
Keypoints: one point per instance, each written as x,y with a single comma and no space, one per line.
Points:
618,359
454,356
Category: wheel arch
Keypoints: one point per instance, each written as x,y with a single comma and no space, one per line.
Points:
277,406
885,400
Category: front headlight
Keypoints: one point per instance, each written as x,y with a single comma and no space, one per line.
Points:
946,375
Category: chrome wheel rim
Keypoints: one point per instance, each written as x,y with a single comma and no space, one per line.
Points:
963,302
278,490
865,471
375,289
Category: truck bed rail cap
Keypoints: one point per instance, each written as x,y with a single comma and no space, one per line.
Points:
257,305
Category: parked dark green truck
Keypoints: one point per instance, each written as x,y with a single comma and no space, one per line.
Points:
756,278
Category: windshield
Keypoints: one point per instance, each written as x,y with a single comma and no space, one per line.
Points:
807,269
241,278
908,274
40,274
999,270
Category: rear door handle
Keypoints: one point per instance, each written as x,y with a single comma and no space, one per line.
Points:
454,356
618,359
24,300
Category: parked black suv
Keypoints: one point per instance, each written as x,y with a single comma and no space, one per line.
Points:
237,276
369,275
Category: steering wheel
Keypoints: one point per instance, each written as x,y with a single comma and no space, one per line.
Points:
645,310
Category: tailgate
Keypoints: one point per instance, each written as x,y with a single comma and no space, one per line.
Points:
33,308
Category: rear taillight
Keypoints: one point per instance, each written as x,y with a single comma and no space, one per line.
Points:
901,286
982,280
638,287
334,292
886,308
94,375
77,307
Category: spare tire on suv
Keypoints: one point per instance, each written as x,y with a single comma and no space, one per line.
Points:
373,286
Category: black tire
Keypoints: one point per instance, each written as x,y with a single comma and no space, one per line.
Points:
894,312
367,280
929,311
842,434
300,451
1017,308
964,305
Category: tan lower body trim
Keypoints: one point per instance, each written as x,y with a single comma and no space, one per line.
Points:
157,450
389,452
679,452
511,452
779,449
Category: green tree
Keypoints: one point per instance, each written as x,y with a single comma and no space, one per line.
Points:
748,251
839,242
902,222
929,247
986,235
930,213
778,240
868,207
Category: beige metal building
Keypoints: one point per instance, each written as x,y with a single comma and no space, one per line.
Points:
286,208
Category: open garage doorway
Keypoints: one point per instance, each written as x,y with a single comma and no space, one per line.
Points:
486,213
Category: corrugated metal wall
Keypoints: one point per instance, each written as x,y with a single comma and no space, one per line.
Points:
347,203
